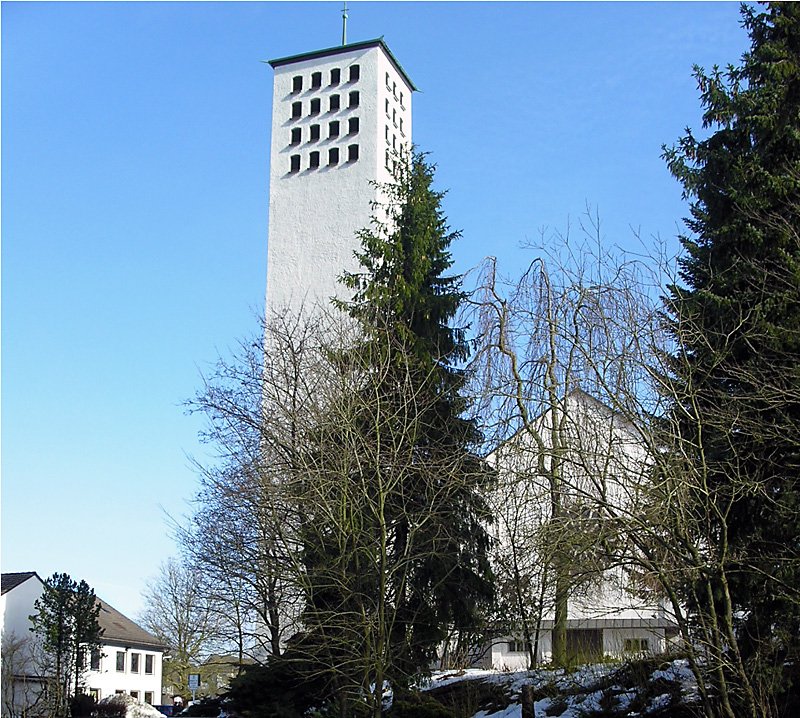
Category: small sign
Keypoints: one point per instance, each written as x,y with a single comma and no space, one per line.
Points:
194,681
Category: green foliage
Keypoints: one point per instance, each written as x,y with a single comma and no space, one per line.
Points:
282,688
394,544
66,620
404,303
737,321
82,705
418,705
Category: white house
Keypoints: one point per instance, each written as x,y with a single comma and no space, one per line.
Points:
339,116
602,464
129,661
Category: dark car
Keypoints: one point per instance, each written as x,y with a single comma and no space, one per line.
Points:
166,710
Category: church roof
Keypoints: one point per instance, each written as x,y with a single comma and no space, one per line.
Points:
378,42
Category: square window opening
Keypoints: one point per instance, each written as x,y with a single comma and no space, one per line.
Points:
336,76
355,73
352,153
316,80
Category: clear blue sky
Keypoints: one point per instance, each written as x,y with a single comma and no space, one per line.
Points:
135,156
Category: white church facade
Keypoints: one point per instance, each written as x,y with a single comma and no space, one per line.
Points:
340,117
603,471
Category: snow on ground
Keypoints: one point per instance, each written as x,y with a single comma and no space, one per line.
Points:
573,694
133,708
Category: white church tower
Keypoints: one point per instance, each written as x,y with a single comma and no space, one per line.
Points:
338,117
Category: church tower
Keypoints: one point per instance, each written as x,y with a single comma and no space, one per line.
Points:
338,117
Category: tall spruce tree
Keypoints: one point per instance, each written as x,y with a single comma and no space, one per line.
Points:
737,323
404,302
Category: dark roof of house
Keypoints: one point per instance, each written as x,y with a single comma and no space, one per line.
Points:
117,628
378,42
120,629
12,580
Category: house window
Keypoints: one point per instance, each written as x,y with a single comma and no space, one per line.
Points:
314,133
352,126
95,693
135,694
148,697
148,665
636,645
297,110
295,163
336,103
518,647
313,160
135,662
119,693
315,105
297,83
333,129
316,80
121,661
296,135
355,73
95,660
333,156
352,153
353,99
336,76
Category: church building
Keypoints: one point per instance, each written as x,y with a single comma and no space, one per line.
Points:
340,116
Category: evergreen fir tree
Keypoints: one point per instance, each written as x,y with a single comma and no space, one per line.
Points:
404,303
737,322
66,619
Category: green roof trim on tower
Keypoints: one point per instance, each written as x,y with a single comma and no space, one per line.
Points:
346,48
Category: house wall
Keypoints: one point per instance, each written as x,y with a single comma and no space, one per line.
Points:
314,214
20,652
18,604
108,680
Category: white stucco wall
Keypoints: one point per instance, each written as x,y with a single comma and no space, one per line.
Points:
314,214
603,455
108,680
17,606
